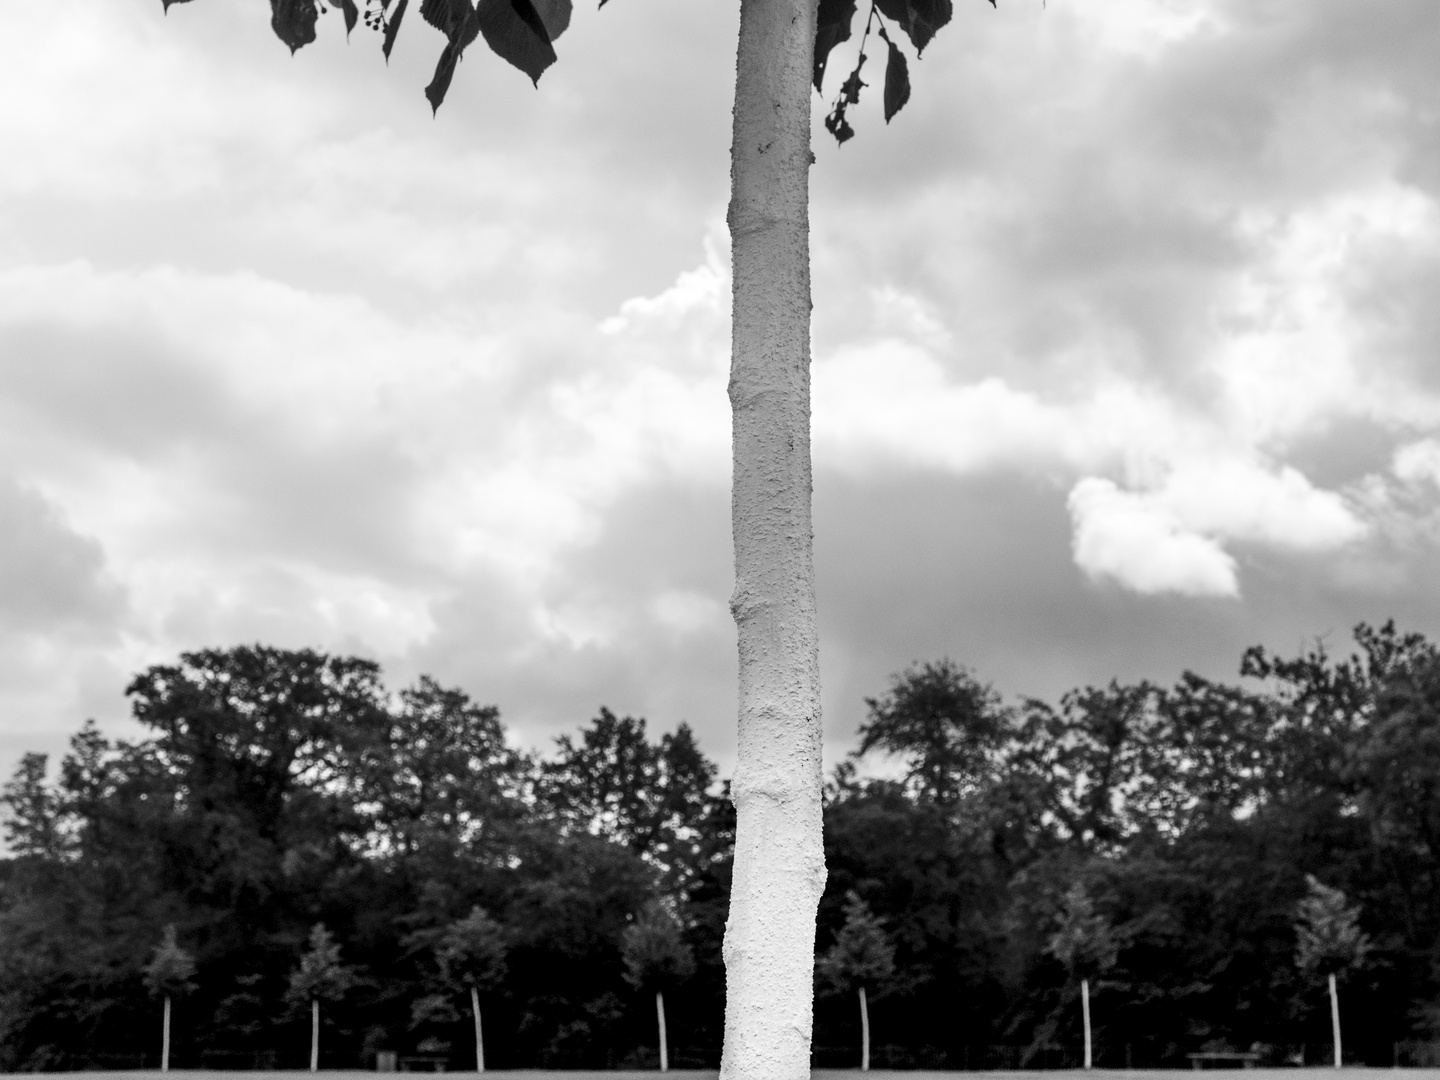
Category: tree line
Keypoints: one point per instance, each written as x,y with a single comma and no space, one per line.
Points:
1153,850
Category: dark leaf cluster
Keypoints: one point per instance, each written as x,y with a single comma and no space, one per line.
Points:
523,33
919,20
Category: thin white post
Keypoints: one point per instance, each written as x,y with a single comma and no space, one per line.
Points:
1335,1018
660,1016
165,1039
314,1034
479,1037
864,1032
1085,1008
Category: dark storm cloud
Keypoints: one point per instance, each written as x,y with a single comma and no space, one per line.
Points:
979,569
1041,196
51,578
262,480
117,390
646,627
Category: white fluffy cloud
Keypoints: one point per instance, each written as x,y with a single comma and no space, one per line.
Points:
1418,461
1130,538
1169,539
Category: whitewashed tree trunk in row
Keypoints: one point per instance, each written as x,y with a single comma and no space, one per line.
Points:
1085,1010
779,862
864,1032
165,1038
314,1034
1335,1017
479,1035
664,1040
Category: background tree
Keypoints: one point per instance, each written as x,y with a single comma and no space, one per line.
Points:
944,724
862,956
1085,943
1328,941
653,797
444,784
320,976
34,820
656,957
471,955
170,974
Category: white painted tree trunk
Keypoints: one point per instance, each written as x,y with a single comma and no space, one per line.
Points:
779,862
664,1042
165,1038
1085,1010
314,1034
1335,1017
864,1032
479,1035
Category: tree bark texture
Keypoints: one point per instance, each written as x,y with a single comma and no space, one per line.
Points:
314,1034
660,1020
479,1035
1335,1017
1085,1010
864,1032
165,1038
779,862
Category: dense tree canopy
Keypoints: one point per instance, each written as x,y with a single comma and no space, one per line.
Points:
277,790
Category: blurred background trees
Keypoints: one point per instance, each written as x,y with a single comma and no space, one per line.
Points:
273,790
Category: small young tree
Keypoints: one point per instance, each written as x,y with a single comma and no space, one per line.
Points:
1328,941
862,956
471,954
170,974
1086,944
320,977
656,957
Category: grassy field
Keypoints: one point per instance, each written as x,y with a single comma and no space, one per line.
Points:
818,1074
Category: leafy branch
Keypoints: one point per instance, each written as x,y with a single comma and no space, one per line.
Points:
523,32
919,19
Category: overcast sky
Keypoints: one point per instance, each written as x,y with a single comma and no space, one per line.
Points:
1126,340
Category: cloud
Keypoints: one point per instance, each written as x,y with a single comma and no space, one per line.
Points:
1240,500
50,577
1125,536
1418,461
290,465
1139,291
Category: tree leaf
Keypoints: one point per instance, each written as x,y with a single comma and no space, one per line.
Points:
392,27
920,19
460,24
439,84
516,33
832,26
294,22
447,16
352,15
897,81
554,14
849,95
167,3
